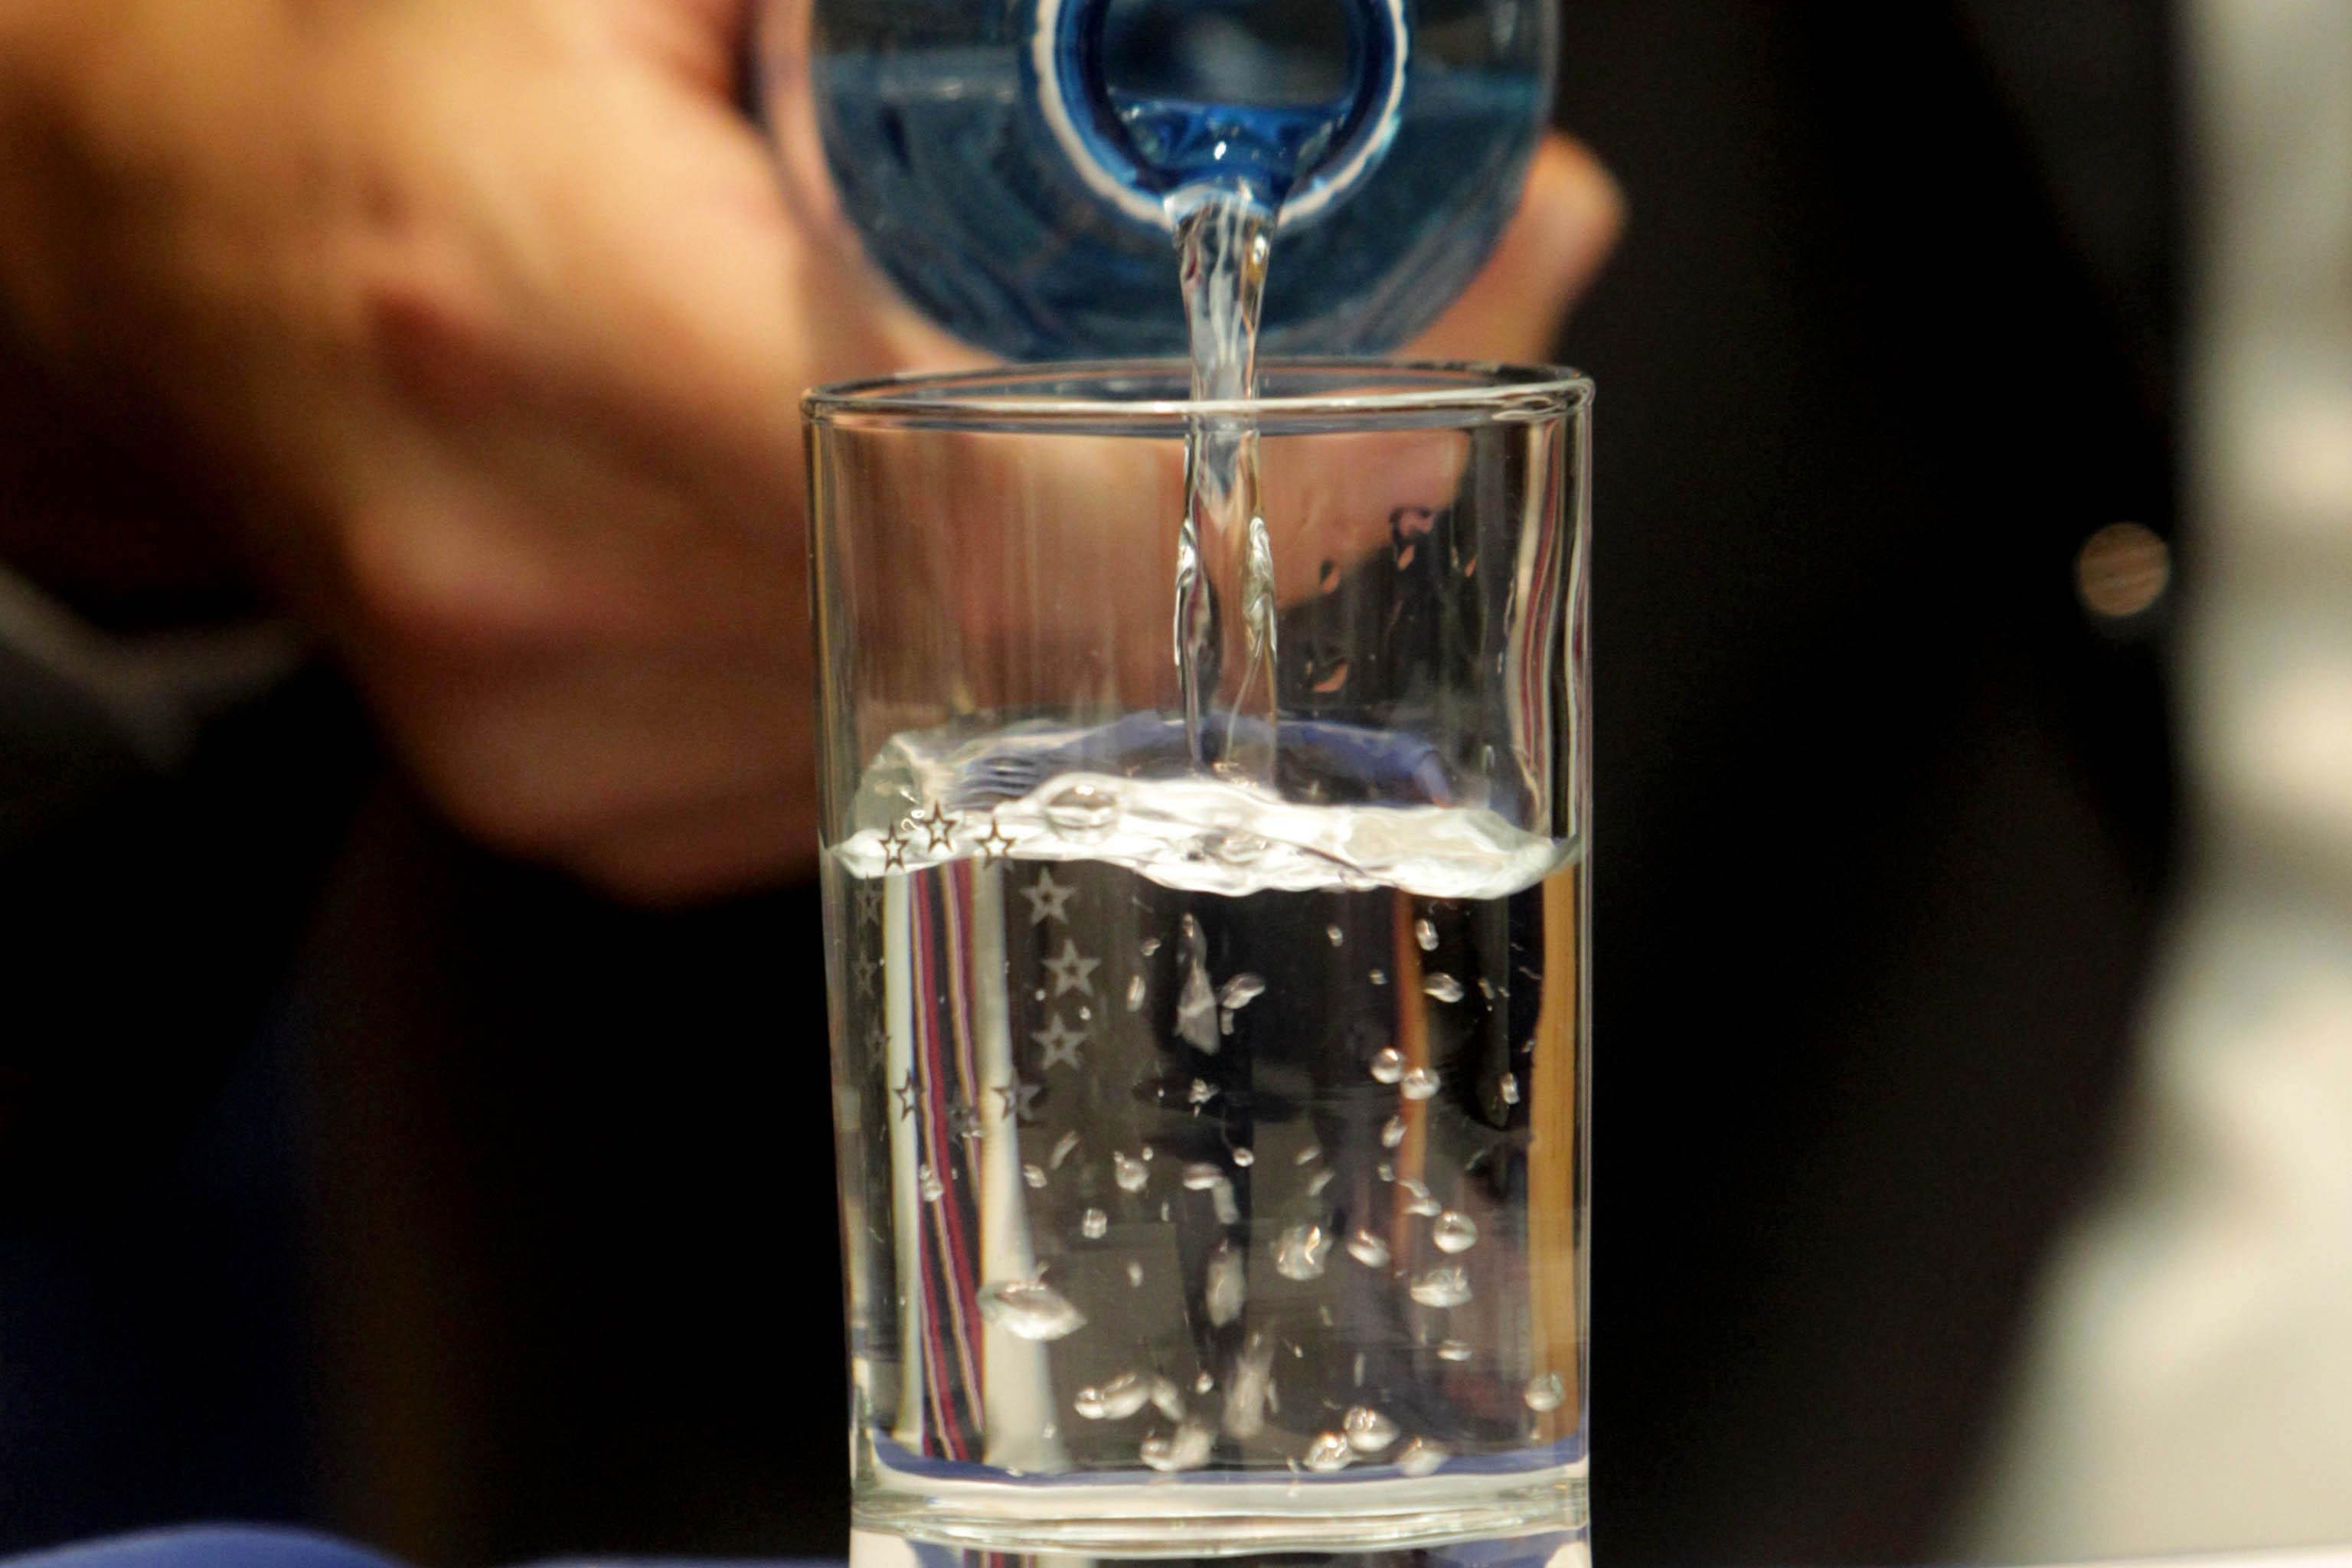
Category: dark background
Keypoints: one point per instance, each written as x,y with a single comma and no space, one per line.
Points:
353,1175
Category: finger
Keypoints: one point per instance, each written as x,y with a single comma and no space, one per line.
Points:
1567,223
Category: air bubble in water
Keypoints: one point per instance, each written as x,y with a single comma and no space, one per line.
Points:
927,1181
1309,1155
1200,1177
1510,1088
1030,1309
1454,1351
1135,995
1545,1392
1420,1083
1168,1399
1445,987
1369,1431
1245,1158
1330,1451
1094,1225
1186,1449
1127,1172
1147,946
1445,1286
1368,1249
1302,1252
1064,1147
1117,1400
1221,1291
1418,1202
1250,1388
1455,1232
1393,1132
1421,1456
1384,1171
1083,810
1033,1176
1134,1274
1388,1064
1424,931
1201,1094
1336,935
1205,1383
1378,977
1196,1003
1317,1183
1240,992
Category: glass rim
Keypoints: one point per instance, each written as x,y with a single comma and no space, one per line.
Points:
989,398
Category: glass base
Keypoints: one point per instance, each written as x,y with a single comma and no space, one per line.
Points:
1205,1515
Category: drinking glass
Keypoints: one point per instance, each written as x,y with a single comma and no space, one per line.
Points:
1209,1082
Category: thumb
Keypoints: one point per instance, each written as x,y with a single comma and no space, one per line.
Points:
1568,222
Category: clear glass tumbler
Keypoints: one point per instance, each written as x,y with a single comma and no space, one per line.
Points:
1209,1092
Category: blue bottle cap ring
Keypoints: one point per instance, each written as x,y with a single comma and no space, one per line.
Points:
1080,117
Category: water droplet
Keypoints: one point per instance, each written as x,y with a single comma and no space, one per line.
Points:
1355,1370
1418,1202
1388,1064
1200,1177
1134,1274
1420,1083
1309,1155
1486,989
1455,1232
1094,1225
1222,1290
1454,1351
1368,1249
1302,1252
1445,1286
1445,987
1245,1158
1336,935
1150,1154
1064,1147
1090,1404
1421,1456
1238,848
1330,1451
1240,992
1384,1171
1135,995
1510,1088
1035,1177
1545,1392
1168,1399
927,1181
1369,1430
1127,1172
1393,1132
1203,1383
1030,1309
1083,810
1424,931
1147,946
1317,1183
1201,1092
1379,977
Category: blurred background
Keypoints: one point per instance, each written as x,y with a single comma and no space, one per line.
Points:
1973,642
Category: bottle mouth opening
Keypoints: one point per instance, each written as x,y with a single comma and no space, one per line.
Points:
1292,104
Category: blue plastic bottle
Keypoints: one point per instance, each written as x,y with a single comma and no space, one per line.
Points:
1009,163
